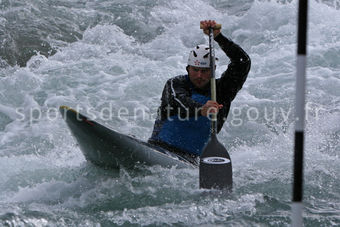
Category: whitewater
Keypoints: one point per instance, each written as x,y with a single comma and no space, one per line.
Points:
110,60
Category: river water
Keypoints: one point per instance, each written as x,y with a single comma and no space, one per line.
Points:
110,59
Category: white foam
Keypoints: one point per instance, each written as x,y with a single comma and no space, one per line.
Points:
108,67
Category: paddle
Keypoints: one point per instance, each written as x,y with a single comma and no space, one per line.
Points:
215,171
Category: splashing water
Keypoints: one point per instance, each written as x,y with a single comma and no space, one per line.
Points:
104,56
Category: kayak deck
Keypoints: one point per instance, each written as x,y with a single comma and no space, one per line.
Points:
107,148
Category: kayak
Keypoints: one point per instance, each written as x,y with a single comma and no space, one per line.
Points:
107,148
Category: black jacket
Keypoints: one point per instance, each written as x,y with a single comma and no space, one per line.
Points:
176,97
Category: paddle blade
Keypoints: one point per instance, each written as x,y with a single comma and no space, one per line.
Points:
215,171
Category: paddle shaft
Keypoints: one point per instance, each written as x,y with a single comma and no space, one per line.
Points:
212,80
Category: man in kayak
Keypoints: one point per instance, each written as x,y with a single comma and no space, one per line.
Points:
183,124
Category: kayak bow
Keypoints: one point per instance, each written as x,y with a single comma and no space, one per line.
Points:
107,148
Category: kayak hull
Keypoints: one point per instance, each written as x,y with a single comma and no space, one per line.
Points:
107,148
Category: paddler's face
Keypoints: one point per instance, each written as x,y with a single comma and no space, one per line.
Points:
200,77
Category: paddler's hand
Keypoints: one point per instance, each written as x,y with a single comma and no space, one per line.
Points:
210,23
210,107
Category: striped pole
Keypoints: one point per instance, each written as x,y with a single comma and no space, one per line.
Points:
299,115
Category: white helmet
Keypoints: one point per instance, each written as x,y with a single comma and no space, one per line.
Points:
199,57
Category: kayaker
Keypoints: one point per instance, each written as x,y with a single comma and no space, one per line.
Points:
183,124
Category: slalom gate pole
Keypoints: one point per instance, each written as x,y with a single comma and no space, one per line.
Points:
297,205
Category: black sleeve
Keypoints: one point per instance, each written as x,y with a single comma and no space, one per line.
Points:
236,74
176,99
